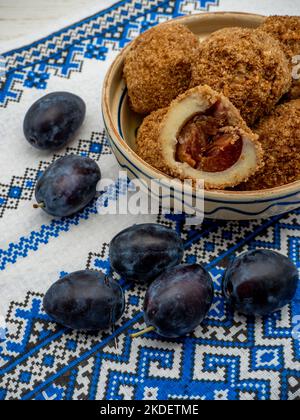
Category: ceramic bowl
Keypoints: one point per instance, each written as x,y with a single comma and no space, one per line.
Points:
121,125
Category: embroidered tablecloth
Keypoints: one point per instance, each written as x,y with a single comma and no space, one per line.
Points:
229,356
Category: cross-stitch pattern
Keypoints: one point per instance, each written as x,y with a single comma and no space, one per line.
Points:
228,357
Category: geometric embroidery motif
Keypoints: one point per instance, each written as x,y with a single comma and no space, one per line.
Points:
229,356
22,188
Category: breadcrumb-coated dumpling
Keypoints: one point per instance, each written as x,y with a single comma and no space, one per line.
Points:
200,136
247,66
158,66
279,135
286,29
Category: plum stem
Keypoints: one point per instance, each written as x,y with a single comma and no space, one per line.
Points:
39,205
143,332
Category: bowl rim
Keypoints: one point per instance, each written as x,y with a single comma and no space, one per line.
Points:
155,173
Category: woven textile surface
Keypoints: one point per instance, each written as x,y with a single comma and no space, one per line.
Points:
229,357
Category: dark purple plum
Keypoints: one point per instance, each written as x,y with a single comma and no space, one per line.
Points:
260,282
141,252
67,186
52,121
178,300
85,300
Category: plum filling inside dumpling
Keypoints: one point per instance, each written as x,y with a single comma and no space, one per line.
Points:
207,142
202,136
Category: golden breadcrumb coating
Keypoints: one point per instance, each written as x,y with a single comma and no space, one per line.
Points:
148,145
150,148
294,93
158,66
286,29
247,66
280,138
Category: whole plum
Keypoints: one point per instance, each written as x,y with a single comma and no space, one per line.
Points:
260,282
52,121
141,252
67,186
178,300
85,300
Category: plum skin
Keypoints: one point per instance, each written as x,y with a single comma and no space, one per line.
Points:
260,282
68,185
85,300
52,121
178,300
141,252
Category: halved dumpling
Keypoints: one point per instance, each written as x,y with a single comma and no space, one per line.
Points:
201,136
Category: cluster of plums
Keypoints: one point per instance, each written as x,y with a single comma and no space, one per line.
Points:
179,296
69,184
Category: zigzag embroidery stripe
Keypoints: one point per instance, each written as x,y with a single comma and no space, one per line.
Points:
3,67
100,261
108,30
229,357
